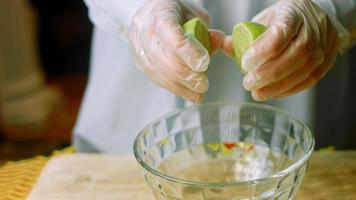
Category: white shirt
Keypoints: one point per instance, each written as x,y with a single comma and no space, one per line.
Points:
120,100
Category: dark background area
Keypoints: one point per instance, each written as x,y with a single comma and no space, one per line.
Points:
64,39
64,36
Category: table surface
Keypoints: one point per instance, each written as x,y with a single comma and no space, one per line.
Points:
331,175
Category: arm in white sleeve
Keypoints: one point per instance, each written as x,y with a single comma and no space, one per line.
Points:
342,14
113,16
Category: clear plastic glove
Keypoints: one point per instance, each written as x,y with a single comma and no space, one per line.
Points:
172,59
298,49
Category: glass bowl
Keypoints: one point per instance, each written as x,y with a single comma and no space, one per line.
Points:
224,152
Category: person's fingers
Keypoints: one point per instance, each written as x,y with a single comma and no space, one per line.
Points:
317,74
274,41
296,54
180,74
176,72
176,88
292,80
227,47
172,74
217,38
176,77
166,53
186,48
196,82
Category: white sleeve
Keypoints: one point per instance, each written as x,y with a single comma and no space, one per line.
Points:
342,14
113,16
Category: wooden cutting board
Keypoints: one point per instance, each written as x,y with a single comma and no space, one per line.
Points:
332,175
90,177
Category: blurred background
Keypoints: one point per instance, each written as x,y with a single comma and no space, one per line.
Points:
44,59
44,56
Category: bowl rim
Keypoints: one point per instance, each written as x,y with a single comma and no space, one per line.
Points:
277,175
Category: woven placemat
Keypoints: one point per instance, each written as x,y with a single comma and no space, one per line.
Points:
18,177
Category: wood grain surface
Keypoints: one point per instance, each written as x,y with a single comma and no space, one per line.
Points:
331,175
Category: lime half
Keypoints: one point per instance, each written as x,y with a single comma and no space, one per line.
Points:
199,30
243,36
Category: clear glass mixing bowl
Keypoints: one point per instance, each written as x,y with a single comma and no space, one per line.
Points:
224,152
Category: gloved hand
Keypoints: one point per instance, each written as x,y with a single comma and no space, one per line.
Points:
298,49
172,59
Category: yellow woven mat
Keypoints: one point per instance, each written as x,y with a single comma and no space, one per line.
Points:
18,177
